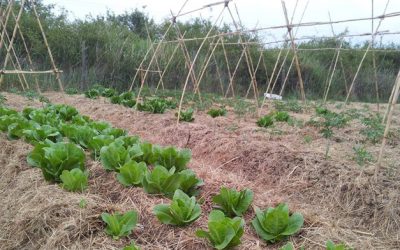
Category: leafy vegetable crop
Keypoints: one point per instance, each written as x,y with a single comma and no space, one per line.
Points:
217,112
265,121
182,211
232,202
132,173
171,157
74,180
275,224
54,158
223,232
120,225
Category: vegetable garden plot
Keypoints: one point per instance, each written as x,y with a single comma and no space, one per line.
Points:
278,179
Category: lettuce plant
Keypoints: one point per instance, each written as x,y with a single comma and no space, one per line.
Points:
16,129
38,133
161,181
54,158
216,112
232,202
81,135
6,111
97,142
182,211
115,99
155,106
120,225
108,92
189,183
281,116
265,121
142,152
116,132
275,224
114,156
224,232
74,180
92,93
186,116
171,157
66,112
132,173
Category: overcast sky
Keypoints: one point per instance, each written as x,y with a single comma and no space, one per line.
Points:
254,13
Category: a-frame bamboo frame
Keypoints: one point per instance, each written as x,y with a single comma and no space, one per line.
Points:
11,55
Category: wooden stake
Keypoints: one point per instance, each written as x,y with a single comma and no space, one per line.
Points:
303,96
391,107
56,71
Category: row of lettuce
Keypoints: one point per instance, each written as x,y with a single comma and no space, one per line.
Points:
61,135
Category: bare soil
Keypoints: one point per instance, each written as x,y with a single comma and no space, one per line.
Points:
340,200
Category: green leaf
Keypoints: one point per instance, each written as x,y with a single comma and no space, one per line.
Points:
119,225
232,202
54,158
182,211
132,246
189,183
97,142
171,157
288,246
223,232
275,224
161,181
132,173
74,180
114,156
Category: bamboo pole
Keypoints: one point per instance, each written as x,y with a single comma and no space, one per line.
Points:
188,61
157,64
373,57
28,54
230,85
56,71
192,65
255,71
365,55
219,74
16,64
296,60
205,66
333,72
287,77
6,16
152,58
391,107
11,44
234,74
168,63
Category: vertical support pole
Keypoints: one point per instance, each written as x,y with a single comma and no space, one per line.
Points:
299,75
391,106
56,71
11,44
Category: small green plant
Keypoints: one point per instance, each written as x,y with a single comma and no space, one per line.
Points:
186,116
275,224
120,225
224,232
71,91
108,92
3,99
132,173
132,246
74,180
54,158
307,139
288,246
92,93
332,246
161,181
374,129
281,116
83,203
232,202
265,121
291,105
182,211
115,99
154,105
217,112
362,156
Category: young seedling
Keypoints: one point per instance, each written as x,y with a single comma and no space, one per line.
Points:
120,225
232,202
